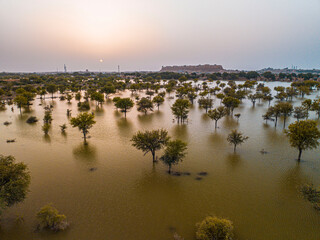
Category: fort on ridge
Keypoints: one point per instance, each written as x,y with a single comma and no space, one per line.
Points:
206,68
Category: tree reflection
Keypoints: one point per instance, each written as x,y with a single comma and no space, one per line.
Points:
85,152
234,160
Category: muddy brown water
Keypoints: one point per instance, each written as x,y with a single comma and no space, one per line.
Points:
126,197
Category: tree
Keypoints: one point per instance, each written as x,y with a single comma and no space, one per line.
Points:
47,118
78,96
98,97
300,113
20,101
124,104
231,103
213,228
316,106
238,115
69,97
150,141
180,109
286,110
205,103
236,138
50,218
84,121
216,114
158,100
174,153
303,135
14,181
46,128
307,104
145,105
253,98
52,88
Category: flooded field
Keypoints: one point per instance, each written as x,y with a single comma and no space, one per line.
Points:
127,197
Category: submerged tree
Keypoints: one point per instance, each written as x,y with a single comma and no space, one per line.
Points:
216,114
145,105
14,181
50,218
150,141
300,113
124,104
174,153
231,103
20,101
158,100
236,138
205,103
84,121
180,109
52,88
286,110
213,228
303,135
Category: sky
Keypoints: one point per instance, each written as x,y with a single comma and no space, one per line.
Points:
43,35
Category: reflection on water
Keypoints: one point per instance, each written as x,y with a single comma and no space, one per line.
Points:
125,127
233,160
46,138
145,119
85,152
180,131
229,122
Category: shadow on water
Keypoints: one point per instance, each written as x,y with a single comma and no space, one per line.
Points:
85,152
99,111
46,138
125,127
275,136
217,139
145,118
293,179
233,160
205,118
158,182
229,122
117,113
180,131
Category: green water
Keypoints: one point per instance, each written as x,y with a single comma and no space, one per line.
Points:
129,198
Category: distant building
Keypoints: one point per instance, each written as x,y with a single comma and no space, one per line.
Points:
206,68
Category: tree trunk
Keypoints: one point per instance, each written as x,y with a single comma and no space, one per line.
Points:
276,121
153,156
169,171
84,137
299,157
284,121
215,125
235,148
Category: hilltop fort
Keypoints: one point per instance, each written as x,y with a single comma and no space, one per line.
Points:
206,68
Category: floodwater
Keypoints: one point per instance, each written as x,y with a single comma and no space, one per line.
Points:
126,197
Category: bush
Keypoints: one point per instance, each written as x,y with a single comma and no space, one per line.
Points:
49,218
46,128
83,106
213,228
32,119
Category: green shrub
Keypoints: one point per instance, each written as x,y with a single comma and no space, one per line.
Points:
213,228
49,218
32,119
83,106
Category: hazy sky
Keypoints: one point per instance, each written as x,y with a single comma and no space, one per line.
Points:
42,35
